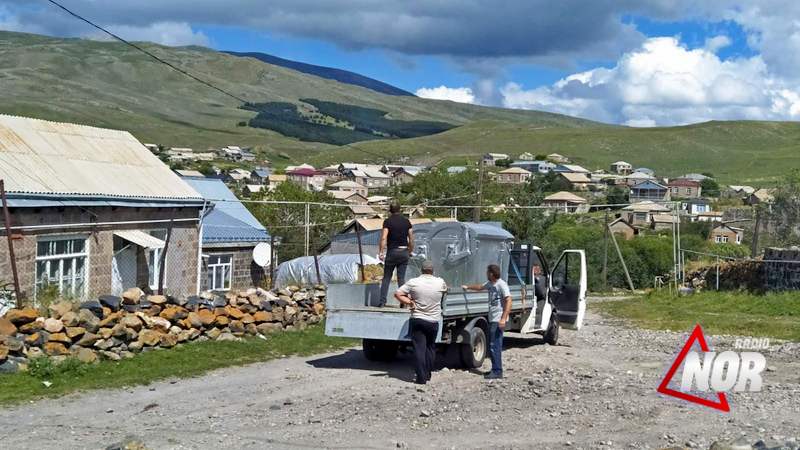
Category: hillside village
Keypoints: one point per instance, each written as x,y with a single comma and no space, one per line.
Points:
639,192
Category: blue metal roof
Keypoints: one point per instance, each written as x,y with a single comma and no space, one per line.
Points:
230,220
263,173
649,185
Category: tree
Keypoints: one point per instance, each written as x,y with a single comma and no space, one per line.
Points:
784,212
287,221
616,196
709,187
503,163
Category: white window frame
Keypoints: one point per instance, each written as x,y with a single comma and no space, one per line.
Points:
212,272
154,259
60,258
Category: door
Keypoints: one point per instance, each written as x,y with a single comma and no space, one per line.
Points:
568,288
539,316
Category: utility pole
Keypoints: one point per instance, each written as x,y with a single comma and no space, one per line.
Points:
754,245
308,227
605,252
476,214
11,257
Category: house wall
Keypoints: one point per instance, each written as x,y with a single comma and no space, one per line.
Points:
181,268
624,230
246,273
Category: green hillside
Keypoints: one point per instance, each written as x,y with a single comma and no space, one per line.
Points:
111,85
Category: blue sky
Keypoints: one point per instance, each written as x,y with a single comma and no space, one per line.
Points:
635,62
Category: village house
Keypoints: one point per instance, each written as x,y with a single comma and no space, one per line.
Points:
188,173
308,178
250,190
570,168
638,177
301,166
349,197
274,181
726,234
566,201
684,188
490,159
229,232
640,214
350,186
231,152
621,168
622,227
696,206
260,175
540,167
526,156
95,219
403,175
363,212
247,156
710,216
761,196
331,172
699,177
513,175
573,181
236,176
557,158
735,191
649,190
381,201
649,172
369,177
663,221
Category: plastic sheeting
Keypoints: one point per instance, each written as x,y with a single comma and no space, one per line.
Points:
332,269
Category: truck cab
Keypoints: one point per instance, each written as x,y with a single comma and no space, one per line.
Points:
544,299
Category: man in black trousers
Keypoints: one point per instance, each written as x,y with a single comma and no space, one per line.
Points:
397,239
423,295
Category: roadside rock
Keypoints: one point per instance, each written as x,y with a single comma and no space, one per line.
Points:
21,316
6,327
53,325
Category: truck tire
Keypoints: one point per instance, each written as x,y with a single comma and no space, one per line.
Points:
378,350
474,352
551,334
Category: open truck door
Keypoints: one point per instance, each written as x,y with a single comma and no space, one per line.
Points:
568,288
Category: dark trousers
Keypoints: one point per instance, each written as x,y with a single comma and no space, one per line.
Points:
396,258
496,347
423,336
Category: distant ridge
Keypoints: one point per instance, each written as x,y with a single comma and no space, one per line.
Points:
342,76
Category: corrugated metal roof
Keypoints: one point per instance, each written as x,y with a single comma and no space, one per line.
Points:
65,160
230,220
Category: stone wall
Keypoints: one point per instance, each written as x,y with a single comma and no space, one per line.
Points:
119,327
784,274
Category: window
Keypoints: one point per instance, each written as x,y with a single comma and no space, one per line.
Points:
220,271
720,239
738,238
61,263
154,260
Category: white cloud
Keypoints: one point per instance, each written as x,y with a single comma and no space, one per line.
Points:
458,94
665,83
165,33
716,43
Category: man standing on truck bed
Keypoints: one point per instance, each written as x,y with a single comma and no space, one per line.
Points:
424,296
499,309
397,239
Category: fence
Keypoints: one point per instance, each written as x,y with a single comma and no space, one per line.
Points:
777,270
82,254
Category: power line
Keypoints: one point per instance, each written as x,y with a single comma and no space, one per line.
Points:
167,63
178,69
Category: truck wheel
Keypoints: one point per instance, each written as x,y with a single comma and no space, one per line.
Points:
378,350
551,334
474,352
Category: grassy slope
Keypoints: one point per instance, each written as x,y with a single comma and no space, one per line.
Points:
109,84
187,360
772,315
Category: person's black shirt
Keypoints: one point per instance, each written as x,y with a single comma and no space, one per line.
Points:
398,227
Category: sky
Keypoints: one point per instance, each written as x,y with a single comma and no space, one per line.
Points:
638,63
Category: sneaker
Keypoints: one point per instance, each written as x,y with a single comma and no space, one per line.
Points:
494,376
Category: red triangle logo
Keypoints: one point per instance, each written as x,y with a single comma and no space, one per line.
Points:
663,388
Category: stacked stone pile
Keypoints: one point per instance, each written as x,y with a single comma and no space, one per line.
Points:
114,327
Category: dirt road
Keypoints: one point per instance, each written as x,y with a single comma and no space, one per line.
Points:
596,389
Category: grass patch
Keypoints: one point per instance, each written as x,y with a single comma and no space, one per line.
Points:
188,360
772,315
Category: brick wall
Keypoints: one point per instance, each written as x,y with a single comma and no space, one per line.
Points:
182,252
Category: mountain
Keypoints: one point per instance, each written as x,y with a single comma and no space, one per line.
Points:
331,73
109,84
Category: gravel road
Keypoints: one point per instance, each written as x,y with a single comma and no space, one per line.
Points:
597,388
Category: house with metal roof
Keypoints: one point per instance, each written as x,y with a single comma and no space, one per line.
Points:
649,190
94,212
228,234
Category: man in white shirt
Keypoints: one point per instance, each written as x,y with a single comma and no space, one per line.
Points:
423,295
499,309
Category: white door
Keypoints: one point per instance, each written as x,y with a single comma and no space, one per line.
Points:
568,288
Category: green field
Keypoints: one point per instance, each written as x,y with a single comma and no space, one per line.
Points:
111,85
187,360
772,315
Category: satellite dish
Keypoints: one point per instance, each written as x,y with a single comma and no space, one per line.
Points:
262,254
